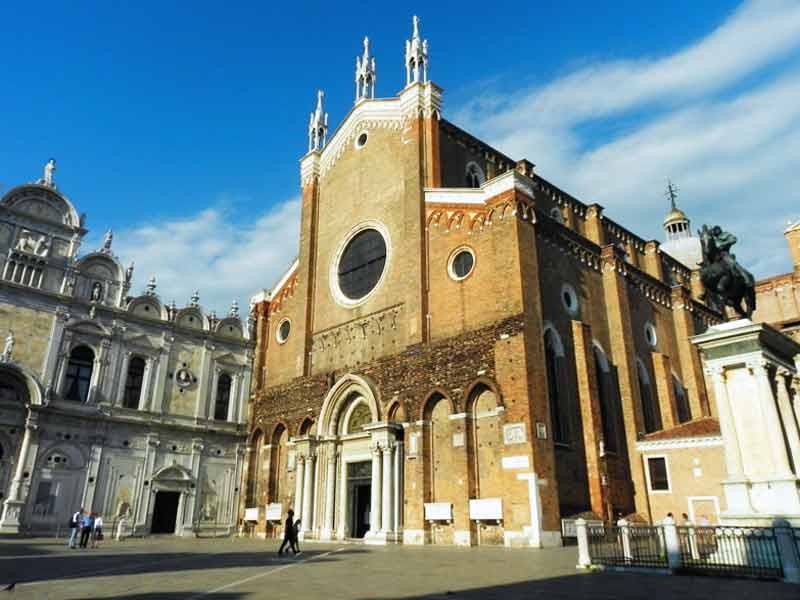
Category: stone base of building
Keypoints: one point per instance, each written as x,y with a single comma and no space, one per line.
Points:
381,538
762,501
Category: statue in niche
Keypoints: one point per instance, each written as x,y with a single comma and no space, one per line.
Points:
727,283
129,274
8,349
97,291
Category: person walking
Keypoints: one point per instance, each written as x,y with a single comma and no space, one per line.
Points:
289,534
87,525
75,526
295,538
97,537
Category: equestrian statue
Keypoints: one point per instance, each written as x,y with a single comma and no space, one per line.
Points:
727,283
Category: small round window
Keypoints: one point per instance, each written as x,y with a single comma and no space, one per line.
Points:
284,328
361,140
569,298
462,262
650,334
361,264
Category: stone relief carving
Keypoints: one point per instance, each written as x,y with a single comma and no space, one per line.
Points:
357,331
32,243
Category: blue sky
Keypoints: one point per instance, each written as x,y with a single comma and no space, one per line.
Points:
180,125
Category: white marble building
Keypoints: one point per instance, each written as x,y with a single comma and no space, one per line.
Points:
111,401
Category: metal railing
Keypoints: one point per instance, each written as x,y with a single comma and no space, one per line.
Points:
628,545
731,551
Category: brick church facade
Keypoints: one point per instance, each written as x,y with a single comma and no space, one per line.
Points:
462,353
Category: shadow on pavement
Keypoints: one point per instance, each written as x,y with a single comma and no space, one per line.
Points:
171,596
88,564
611,586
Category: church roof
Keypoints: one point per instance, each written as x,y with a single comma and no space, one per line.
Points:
704,427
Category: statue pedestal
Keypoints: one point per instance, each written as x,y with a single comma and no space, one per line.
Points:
752,368
10,521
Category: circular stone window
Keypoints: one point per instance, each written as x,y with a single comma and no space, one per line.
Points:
569,298
461,264
284,328
650,334
361,140
360,264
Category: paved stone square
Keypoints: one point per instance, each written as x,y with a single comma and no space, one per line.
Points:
231,569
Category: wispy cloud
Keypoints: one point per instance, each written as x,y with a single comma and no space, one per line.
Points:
213,252
721,117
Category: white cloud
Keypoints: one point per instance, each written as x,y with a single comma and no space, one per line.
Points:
212,252
721,117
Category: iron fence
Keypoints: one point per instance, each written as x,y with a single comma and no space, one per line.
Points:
731,551
633,546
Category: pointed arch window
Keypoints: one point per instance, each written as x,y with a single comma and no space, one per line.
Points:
559,413
223,400
474,176
607,400
650,413
681,401
79,374
133,382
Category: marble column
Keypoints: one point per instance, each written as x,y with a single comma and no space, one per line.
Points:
144,397
733,455
772,419
330,486
375,498
298,485
201,403
788,417
119,400
398,487
387,518
308,493
795,383
98,373
342,526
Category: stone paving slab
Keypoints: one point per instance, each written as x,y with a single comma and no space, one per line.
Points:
232,569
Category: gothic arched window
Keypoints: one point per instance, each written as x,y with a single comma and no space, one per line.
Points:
79,374
681,401
133,383
559,413
474,176
607,399
224,384
650,413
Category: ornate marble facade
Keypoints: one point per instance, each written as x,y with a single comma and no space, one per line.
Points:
108,400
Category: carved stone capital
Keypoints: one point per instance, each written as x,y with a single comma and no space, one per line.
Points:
715,371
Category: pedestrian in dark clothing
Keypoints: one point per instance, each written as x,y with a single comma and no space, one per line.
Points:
295,540
289,534
87,526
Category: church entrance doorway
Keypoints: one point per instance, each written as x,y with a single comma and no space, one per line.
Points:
165,512
359,497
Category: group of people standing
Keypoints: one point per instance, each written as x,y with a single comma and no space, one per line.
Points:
85,527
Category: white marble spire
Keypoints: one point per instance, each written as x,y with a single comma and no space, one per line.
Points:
318,125
365,74
416,56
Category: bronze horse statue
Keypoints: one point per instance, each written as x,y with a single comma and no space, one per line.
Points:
727,283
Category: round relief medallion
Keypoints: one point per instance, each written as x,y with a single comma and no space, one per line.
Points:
184,377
